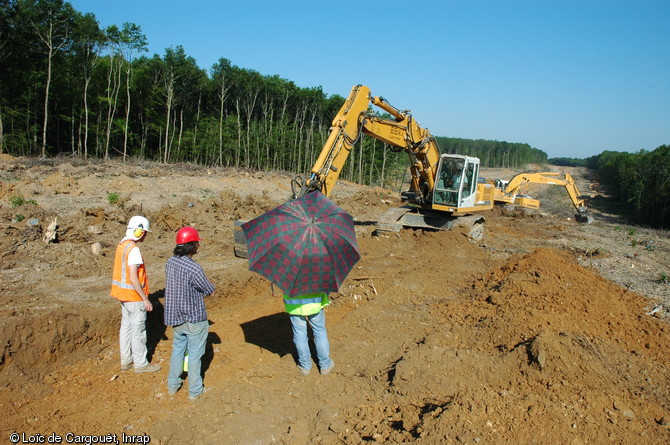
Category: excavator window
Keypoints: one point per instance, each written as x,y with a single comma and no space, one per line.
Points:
448,183
468,180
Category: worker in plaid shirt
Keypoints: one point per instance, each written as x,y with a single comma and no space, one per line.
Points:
185,288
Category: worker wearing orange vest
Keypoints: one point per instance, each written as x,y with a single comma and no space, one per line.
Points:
131,287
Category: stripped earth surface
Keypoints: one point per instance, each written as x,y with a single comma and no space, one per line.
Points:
545,331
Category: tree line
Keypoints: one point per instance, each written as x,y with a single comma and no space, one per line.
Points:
69,87
639,180
494,154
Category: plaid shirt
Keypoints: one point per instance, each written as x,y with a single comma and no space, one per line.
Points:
185,288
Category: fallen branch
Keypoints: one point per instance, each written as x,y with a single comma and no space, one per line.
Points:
51,234
373,286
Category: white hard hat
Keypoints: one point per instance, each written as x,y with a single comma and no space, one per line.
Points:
139,222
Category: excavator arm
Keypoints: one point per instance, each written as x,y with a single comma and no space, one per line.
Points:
355,119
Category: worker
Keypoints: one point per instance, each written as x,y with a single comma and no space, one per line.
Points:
308,309
456,179
130,286
186,285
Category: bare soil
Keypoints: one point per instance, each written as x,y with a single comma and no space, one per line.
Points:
546,331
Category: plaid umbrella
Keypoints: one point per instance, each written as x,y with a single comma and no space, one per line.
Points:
305,245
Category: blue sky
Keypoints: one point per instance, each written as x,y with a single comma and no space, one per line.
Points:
570,77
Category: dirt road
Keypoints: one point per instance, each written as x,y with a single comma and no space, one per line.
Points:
540,333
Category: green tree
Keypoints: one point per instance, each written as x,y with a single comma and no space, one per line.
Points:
88,39
52,22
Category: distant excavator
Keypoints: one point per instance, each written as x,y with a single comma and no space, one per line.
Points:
512,191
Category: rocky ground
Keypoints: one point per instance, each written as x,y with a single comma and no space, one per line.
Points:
546,331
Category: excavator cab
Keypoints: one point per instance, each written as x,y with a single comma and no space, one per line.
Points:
456,181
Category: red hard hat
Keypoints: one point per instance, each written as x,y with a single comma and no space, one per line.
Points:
187,235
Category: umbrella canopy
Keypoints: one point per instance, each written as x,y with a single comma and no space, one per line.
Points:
303,246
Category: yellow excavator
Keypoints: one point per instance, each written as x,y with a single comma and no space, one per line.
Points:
513,191
445,189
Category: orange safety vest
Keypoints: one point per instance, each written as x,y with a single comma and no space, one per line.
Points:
122,288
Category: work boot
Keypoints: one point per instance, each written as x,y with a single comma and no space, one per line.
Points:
326,371
127,366
204,390
304,371
174,391
151,367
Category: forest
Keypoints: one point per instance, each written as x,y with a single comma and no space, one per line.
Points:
71,88
68,87
640,181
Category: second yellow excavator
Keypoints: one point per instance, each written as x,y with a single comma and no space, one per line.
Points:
513,191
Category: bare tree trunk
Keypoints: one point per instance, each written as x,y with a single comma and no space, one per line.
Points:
266,109
49,43
98,132
310,139
223,89
160,143
195,130
239,133
270,142
170,98
181,132
113,87
174,129
143,139
125,129
87,82
79,143
109,87
300,123
283,129
351,164
72,130
372,161
249,106
27,122
221,132
360,162
383,172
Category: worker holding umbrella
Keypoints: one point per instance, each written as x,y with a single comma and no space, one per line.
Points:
306,246
308,309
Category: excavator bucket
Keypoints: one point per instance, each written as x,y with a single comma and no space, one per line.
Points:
583,218
240,248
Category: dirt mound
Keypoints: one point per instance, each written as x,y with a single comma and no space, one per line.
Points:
540,347
548,290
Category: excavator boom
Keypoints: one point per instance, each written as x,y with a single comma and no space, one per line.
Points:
356,119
